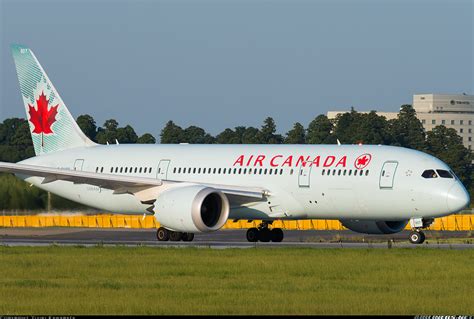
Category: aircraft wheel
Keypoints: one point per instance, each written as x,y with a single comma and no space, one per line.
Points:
417,237
277,235
188,237
252,235
176,236
265,235
162,234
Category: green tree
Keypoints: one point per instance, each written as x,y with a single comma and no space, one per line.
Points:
196,135
107,133
297,135
371,128
447,145
87,125
407,130
15,140
250,135
172,134
267,135
228,136
126,135
320,131
146,138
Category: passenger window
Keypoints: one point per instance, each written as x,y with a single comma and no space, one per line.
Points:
444,174
102,170
281,171
339,172
333,172
219,171
322,172
361,172
270,171
429,173
260,171
265,172
291,171
350,172
199,170
245,171
344,173
367,173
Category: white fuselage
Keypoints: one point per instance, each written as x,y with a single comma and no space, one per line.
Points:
303,181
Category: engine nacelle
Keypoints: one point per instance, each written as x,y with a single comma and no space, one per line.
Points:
374,226
192,209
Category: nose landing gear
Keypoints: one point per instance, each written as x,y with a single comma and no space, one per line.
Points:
264,234
417,236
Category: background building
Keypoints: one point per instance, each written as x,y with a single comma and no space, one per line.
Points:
452,111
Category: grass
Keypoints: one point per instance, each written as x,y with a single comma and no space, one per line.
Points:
145,280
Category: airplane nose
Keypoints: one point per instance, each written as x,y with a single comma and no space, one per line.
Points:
457,198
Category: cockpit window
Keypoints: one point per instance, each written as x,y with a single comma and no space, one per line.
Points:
454,175
444,174
429,173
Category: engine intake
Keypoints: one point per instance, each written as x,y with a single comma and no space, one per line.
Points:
192,208
374,226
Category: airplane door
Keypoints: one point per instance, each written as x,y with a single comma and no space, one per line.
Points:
304,174
387,174
78,164
162,172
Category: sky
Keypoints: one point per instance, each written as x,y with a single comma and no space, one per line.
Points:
224,63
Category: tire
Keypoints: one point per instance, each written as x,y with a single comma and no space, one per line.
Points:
162,234
423,237
252,235
188,237
176,236
277,235
265,235
416,237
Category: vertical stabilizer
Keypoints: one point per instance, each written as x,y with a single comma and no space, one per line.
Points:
52,127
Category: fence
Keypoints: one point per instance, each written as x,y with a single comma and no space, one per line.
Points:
448,223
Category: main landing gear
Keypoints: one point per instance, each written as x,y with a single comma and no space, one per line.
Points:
163,234
417,224
264,234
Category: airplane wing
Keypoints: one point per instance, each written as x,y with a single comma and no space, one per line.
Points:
144,187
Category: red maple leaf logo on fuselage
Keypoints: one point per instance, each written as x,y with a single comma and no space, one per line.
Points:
41,117
362,161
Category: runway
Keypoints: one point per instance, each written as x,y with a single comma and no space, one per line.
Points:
227,239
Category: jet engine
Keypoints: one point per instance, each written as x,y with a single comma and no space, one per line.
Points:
374,226
192,209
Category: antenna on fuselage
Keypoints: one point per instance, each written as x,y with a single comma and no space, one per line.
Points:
338,142
116,142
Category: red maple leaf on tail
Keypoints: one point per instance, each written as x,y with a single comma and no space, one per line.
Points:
42,118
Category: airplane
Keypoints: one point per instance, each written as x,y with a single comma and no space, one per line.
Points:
191,189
